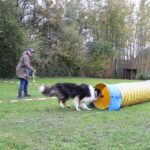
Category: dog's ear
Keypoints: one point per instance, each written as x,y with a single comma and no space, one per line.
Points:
99,93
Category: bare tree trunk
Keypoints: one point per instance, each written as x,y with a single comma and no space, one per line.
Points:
69,73
82,72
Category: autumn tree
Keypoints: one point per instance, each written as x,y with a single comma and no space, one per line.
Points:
11,38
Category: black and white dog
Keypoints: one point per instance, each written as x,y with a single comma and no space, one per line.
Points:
79,93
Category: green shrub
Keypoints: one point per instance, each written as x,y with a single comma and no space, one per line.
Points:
143,76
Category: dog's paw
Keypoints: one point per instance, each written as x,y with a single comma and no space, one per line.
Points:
89,110
78,109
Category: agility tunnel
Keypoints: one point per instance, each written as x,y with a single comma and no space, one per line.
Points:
120,95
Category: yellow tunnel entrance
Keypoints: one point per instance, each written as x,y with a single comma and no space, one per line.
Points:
102,103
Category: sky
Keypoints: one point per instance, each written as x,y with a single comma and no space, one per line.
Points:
136,1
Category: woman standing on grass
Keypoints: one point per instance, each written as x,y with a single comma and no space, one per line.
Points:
22,72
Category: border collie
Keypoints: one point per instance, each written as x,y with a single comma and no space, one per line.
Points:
79,93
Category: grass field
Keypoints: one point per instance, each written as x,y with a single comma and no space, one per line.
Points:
43,125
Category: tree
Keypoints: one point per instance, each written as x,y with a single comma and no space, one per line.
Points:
143,35
11,38
62,43
106,27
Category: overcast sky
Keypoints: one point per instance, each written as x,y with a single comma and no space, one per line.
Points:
136,1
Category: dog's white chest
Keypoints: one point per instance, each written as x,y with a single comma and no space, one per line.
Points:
92,97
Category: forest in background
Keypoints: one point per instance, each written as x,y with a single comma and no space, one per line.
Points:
76,37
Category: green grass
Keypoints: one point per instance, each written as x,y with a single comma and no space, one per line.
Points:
43,125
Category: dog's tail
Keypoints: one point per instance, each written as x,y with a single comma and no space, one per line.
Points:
47,91
42,88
